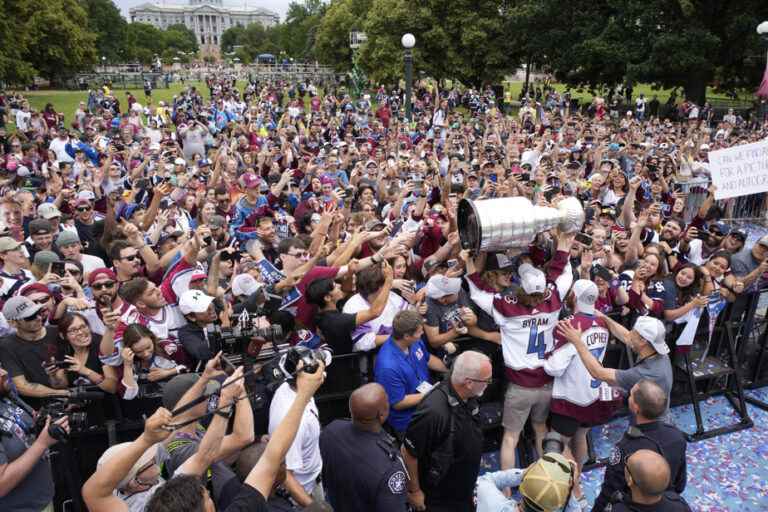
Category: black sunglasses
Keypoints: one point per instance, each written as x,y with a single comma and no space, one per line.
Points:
130,258
103,286
83,209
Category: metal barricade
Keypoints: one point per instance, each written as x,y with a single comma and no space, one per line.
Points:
696,189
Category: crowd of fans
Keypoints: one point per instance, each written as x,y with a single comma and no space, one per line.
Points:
131,235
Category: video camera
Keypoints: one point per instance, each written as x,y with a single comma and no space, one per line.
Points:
233,341
73,407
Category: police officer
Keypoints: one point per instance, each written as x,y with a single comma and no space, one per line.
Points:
647,475
362,468
26,479
648,402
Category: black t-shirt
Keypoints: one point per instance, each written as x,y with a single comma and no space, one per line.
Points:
248,500
93,362
427,433
336,328
20,357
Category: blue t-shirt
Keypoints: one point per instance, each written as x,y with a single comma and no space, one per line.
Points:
401,375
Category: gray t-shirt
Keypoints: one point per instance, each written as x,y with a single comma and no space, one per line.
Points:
34,492
657,368
743,263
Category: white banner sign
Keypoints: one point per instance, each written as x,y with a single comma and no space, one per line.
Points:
740,170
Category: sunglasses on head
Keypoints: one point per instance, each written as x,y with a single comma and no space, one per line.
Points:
103,286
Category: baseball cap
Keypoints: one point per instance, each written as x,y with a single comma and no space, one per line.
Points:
66,238
176,387
194,301
217,221
720,227
100,273
250,180
498,261
532,280
40,227
586,295
244,284
48,211
439,286
44,258
546,483
179,161
653,331
167,236
763,240
739,233
20,308
116,450
85,195
8,244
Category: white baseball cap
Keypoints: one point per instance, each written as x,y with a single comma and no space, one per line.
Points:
194,301
48,211
244,284
653,331
586,295
532,280
439,286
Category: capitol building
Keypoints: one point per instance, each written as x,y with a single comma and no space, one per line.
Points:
208,19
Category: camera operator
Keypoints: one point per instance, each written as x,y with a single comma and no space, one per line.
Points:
647,475
186,440
129,474
28,354
26,479
548,485
198,309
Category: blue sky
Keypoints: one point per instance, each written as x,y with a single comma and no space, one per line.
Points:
279,6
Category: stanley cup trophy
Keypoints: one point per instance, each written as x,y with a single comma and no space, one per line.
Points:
513,222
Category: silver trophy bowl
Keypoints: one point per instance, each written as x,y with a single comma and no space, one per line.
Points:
513,222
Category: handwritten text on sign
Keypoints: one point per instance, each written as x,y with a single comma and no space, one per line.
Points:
740,170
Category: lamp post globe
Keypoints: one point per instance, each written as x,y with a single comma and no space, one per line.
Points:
762,29
408,41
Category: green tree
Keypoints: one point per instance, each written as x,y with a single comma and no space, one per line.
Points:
105,20
298,34
670,43
60,42
232,37
143,41
456,39
180,38
332,40
14,41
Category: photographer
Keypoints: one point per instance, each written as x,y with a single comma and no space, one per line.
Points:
187,439
27,355
26,480
129,474
200,312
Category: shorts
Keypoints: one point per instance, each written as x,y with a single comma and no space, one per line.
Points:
520,402
565,425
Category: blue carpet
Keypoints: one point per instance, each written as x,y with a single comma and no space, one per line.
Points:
725,473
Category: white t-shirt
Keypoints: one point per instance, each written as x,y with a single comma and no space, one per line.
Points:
303,457
58,146
22,120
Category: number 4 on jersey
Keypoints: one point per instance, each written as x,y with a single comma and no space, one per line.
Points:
536,342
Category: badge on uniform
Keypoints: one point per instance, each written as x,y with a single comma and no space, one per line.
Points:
615,456
397,482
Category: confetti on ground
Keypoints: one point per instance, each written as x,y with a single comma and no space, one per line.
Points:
725,474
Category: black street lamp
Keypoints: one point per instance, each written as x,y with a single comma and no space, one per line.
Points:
408,41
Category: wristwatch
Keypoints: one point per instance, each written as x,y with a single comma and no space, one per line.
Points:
225,413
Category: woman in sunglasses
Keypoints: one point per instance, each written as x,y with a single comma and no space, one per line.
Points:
79,352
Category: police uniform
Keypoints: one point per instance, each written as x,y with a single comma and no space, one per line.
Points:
670,502
362,470
657,436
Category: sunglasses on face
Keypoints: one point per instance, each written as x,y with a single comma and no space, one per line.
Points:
42,314
83,209
103,286
132,257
